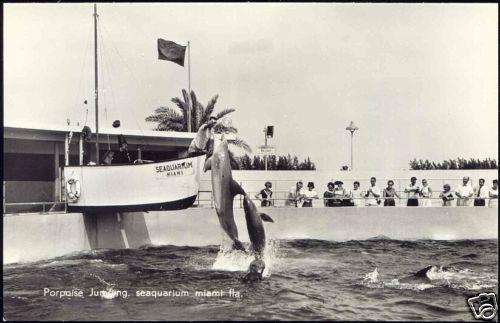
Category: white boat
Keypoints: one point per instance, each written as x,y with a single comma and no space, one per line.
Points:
169,185
166,185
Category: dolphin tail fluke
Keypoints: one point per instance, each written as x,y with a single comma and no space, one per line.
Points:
238,245
235,188
423,272
266,218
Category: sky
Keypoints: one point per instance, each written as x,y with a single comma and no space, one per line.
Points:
419,80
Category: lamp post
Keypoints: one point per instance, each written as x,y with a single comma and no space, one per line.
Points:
268,133
351,128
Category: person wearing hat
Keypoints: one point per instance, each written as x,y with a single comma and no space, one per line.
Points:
328,195
265,195
199,145
446,195
295,195
413,191
309,195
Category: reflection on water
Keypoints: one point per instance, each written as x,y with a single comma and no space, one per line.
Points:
305,280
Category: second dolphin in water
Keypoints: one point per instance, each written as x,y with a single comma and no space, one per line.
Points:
257,236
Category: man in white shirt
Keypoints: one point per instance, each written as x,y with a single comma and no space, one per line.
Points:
481,193
295,195
357,196
199,144
413,191
494,194
464,192
373,194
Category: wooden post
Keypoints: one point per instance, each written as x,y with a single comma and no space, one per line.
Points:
80,150
57,191
4,209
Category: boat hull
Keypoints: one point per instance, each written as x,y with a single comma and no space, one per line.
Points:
170,185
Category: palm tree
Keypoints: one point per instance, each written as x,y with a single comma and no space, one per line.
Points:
171,119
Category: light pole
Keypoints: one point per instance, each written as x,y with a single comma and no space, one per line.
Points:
352,127
268,133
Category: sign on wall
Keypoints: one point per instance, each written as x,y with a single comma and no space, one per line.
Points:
266,150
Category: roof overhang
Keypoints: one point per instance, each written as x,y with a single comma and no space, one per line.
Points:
135,137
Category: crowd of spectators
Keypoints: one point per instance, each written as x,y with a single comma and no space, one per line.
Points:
420,195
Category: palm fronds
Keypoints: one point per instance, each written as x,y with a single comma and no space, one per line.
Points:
175,119
220,128
224,112
209,109
240,143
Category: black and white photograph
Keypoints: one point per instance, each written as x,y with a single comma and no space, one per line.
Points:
250,161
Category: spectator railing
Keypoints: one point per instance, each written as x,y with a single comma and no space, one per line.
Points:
205,198
319,202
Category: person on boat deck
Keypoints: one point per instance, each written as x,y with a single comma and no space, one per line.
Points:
122,156
389,193
309,195
480,194
447,195
412,190
108,158
464,192
494,194
295,195
373,194
357,196
265,195
328,195
425,194
199,145
339,194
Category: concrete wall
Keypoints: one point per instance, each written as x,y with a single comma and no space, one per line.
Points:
31,237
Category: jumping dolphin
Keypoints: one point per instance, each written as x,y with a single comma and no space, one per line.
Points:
257,236
224,188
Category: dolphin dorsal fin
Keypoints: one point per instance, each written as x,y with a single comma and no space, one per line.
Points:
235,188
208,164
266,218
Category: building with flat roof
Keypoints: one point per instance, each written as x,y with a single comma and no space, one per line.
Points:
33,156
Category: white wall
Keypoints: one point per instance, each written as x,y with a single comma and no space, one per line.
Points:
31,237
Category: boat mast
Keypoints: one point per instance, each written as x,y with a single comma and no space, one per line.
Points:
96,87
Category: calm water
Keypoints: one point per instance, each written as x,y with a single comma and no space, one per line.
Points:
305,280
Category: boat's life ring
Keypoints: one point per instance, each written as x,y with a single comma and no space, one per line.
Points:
73,190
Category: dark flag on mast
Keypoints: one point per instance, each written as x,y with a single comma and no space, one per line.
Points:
170,51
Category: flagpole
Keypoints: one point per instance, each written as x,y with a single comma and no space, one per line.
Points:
96,88
189,87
